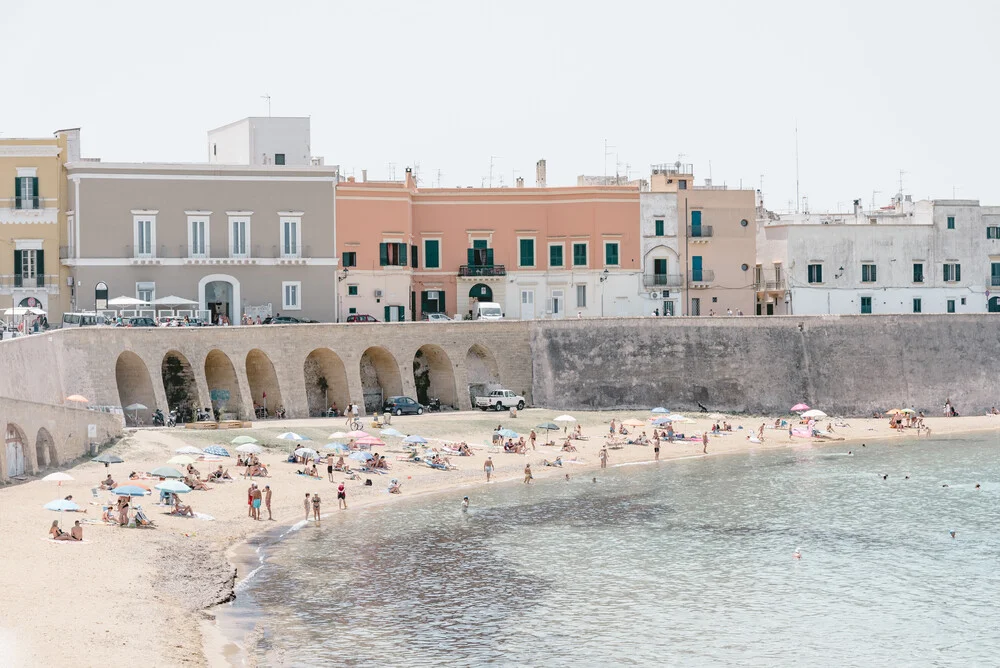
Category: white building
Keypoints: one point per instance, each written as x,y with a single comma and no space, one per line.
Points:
940,256
261,141
662,277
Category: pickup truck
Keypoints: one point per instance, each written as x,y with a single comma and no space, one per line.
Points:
500,400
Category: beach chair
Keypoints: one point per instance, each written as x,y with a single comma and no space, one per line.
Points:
94,493
140,518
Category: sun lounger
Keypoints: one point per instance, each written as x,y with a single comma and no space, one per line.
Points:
140,518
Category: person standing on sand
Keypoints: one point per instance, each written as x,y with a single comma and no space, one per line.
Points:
611,430
527,474
488,467
267,500
670,433
315,504
329,466
603,455
760,433
250,499
656,446
256,502
342,496
704,442
532,438
307,504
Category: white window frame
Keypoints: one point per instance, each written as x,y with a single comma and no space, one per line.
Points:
206,250
285,304
297,220
245,219
548,256
586,244
605,247
534,246
140,286
140,217
440,244
578,287
29,264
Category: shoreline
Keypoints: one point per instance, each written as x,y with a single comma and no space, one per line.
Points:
181,570
221,649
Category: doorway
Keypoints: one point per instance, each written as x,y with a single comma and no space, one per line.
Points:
695,306
219,300
994,305
557,303
527,304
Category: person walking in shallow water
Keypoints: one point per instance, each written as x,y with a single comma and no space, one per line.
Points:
342,496
267,500
488,467
527,474
604,457
315,504
308,506
704,443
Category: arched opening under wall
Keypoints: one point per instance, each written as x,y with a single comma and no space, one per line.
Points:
993,305
134,388
223,386
326,382
15,456
434,376
180,386
379,377
263,381
482,372
45,449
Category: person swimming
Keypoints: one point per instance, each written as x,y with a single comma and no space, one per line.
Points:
977,486
952,532
797,554
465,504
885,476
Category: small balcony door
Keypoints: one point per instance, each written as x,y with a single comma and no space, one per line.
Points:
527,304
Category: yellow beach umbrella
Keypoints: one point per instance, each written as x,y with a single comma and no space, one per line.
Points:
181,459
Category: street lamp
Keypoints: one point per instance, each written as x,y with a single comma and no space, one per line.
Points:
604,277
342,276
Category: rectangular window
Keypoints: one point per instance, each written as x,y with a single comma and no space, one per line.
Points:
352,310
659,227
349,259
432,253
526,253
952,272
144,237
29,267
611,254
815,273
146,292
392,254
868,273
279,158
866,304
951,222
290,237
951,306
918,272
696,306
917,305
26,193
555,255
291,295
993,232
239,237
581,296
580,255
197,237
352,291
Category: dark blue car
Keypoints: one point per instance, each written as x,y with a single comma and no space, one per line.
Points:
402,406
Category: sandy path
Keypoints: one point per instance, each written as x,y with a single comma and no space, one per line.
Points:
125,593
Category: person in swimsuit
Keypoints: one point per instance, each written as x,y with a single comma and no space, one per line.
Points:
527,474
656,448
704,443
307,504
603,455
180,509
342,496
267,500
465,504
57,533
250,499
257,498
77,531
488,467
329,466
315,504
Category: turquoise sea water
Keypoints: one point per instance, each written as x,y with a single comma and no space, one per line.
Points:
680,563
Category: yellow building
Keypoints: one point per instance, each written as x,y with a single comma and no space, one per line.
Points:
33,220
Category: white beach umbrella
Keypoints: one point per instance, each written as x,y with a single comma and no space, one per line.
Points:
250,448
291,436
126,301
338,435
58,477
814,413
306,452
188,450
564,418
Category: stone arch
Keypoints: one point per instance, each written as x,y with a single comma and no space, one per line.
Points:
134,386
434,375
325,364
179,385
379,377
45,449
15,458
481,370
264,389
220,376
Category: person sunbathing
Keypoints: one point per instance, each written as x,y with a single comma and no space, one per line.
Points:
194,472
568,447
109,483
309,471
219,474
340,465
181,509
464,450
133,476
556,462
196,484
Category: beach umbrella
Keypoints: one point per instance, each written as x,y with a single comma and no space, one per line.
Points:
357,434
173,486
336,447
60,505
243,440
78,398
360,456
180,459
564,418
814,413
633,423
549,426
129,490
800,407
291,436
659,409
414,439
509,433
248,448
894,411
660,421
337,435
166,472
217,450
395,433
126,301
306,452
135,408
371,441
58,477
107,458
188,450
909,411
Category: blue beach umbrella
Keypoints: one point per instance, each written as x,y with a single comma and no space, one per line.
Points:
660,421
508,433
395,433
173,486
60,505
217,450
129,490
360,456
659,409
336,447
414,439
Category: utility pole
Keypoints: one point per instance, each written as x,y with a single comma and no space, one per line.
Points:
439,175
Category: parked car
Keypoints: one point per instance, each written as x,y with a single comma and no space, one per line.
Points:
140,322
436,317
402,405
286,320
361,317
500,400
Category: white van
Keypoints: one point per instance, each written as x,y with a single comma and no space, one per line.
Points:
487,311
82,320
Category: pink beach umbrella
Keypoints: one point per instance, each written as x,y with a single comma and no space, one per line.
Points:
357,434
800,407
369,442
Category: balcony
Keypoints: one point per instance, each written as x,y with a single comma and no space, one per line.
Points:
701,276
993,281
700,231
482,271
770,284
15,283
26,203
662,280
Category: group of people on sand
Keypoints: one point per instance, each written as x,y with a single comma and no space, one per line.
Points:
76,533
256,497
254,467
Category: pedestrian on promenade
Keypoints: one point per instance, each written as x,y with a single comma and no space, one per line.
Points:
267,500
488,467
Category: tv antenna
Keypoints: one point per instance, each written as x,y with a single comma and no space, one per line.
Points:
608,150
493,158
267,97
797,170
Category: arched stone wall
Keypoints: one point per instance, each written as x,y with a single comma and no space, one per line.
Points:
434,375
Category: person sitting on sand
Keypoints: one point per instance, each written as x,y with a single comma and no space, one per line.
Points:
556,462
109,514
568,447
196,484
394,487
577,432
133,476
464,450
109,483
340,465
58,534
194,472
623,431
309,471
180,508
219,474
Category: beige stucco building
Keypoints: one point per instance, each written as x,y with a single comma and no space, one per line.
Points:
32,218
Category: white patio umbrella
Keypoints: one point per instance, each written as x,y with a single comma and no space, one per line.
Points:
174,300
564,418
126,301
250,448
306,452
814,413
23,310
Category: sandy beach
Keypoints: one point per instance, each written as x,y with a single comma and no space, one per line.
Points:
124,593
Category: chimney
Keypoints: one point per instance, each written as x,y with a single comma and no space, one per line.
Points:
72,144
410,183
519,183
540,173
364,176
857,207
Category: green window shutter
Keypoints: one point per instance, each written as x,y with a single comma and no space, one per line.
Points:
17,193
17,269
402,254
431,252
611,254
555,256
402,313
413,257
34,189
958,272
385,316
489,257
40,267
471,257
659,228
479,244
527,252
383,254
579,255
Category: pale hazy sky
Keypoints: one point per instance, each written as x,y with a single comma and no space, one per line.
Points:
874,86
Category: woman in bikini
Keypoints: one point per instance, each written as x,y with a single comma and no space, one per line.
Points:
315,504
57,533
